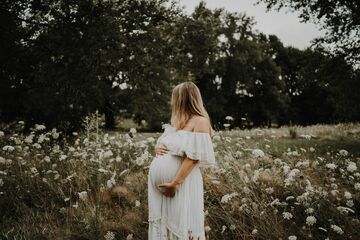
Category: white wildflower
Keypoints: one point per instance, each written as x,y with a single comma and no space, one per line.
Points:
83,195
133,130
130,237
109,235
223,229
350,203
292,237
337,229
269,190
357,186
47,159
108,154
258,153
310,220
347,195
351,167
227,197
254,231
230,118
343,152
287,215
331,166
54,133
39,127
309,210
137,203
8,148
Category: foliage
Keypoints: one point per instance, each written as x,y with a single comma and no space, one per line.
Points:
340,19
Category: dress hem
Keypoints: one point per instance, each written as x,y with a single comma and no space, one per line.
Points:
167,225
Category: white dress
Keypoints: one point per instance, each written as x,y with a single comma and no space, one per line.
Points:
182,216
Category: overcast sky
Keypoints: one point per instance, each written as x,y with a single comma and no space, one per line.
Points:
285,24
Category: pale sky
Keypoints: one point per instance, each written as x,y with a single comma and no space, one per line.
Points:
285,24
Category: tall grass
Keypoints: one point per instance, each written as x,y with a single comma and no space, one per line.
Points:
94,185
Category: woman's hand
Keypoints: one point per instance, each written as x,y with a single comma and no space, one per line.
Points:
161,149
168,188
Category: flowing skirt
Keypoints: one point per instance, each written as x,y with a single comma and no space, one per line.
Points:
180,217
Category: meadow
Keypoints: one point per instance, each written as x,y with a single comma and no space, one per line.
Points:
278,183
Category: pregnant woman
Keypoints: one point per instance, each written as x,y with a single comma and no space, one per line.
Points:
175,183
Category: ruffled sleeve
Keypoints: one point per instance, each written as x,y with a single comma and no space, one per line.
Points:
194,145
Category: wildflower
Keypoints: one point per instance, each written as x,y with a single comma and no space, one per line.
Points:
357,186
8,148
41,138
227,197
2,134
47,159
133,130
137,203
216,138
54,133
258,153
37,145
287,215
350,203
309,210
130,237
110,183
345,210
223,229
109,235
254,231
331,166
343,152
347,195
226,125
108,154
351,167
229,118
312,149
83,195
269,190
150,139
337,229
207,228
39,127
310,220
292,237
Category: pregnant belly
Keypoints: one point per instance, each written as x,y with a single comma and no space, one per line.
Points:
163,168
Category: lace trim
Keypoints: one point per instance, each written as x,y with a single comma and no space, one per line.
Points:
205,159
157,224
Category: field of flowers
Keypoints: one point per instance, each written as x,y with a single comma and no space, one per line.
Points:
297,183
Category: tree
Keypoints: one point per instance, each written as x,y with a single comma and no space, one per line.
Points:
340,19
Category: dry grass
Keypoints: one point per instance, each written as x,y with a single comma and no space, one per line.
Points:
43,188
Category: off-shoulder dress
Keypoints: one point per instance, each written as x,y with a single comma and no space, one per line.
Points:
182,216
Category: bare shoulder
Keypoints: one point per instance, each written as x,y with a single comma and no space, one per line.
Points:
201,124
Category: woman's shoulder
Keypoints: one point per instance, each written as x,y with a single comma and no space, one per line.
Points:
200,124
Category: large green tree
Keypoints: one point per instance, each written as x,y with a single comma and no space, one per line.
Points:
339,18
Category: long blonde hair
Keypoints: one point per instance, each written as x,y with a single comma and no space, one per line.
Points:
186,101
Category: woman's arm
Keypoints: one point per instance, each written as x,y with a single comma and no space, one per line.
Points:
169,189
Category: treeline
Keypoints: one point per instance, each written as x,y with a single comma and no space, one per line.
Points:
63,59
